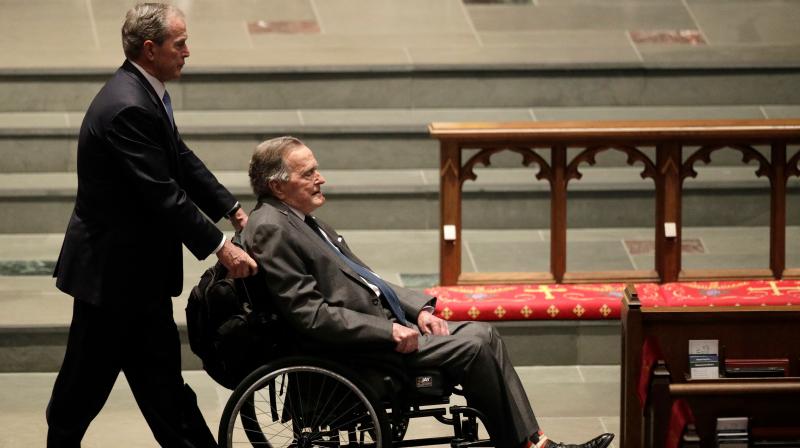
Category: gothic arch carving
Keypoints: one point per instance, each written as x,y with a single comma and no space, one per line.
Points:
485,154
589,156
793,165
748,154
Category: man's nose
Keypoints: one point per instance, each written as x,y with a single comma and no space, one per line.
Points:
320,179
186,51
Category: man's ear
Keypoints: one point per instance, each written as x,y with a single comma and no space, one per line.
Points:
277,189
148,50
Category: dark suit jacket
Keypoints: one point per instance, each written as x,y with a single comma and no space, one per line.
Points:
140,195
322,298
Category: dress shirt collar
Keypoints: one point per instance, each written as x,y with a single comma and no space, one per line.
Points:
297,212
158,86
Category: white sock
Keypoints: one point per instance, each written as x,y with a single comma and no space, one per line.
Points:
542,441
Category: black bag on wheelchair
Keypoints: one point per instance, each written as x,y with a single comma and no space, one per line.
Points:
229,334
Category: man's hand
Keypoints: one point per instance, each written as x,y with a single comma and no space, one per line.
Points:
430,324
239,219
407,339
238,263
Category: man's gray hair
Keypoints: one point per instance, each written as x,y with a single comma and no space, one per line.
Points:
268,163
146,21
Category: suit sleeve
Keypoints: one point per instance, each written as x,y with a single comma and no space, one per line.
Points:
202,186
299,300
146,166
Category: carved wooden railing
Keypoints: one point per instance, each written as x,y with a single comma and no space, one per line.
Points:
667,171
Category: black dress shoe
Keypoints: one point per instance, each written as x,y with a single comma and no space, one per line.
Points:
601,441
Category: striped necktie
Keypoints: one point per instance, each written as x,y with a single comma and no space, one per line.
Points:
386,291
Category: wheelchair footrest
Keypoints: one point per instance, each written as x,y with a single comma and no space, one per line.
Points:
435,412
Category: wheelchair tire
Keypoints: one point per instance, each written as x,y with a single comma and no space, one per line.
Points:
302,402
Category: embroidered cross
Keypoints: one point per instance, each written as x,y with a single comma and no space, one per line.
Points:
776,290
548,292
447,313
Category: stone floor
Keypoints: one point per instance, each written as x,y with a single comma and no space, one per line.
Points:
573,403
300,35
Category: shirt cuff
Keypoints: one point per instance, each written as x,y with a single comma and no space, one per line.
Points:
233,210
221,243
428,308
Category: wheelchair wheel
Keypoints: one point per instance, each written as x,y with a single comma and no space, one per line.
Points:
303,403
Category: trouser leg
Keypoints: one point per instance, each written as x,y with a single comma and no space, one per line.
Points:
474,355
154,374
85,379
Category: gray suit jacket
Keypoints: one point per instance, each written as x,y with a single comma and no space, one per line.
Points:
313,289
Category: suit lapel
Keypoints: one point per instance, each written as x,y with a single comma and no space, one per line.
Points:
159,106
321,247
127,66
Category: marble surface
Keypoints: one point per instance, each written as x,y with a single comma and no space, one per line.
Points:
299,35
572,403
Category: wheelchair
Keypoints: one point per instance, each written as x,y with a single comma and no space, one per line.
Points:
313,401
289,395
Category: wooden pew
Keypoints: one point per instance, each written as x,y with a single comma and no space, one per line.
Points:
742,331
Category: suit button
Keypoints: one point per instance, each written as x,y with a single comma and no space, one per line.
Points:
375,301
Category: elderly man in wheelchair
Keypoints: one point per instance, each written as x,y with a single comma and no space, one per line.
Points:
360,357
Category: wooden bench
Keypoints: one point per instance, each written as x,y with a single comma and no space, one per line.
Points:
764,323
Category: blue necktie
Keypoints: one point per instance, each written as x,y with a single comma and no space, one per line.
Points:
372,278
168,105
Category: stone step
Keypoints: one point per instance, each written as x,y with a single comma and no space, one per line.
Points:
507,198
341,138
35,316
35,346
406,87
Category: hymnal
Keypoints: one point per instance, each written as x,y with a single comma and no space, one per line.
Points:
703,358
732,432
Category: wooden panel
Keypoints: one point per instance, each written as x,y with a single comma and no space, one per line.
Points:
743,332
481,278
725,274
580,132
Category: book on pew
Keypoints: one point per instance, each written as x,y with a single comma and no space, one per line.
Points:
759,368
703,359
732,432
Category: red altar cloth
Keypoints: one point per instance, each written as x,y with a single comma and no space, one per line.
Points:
733,293
537,302
601,301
